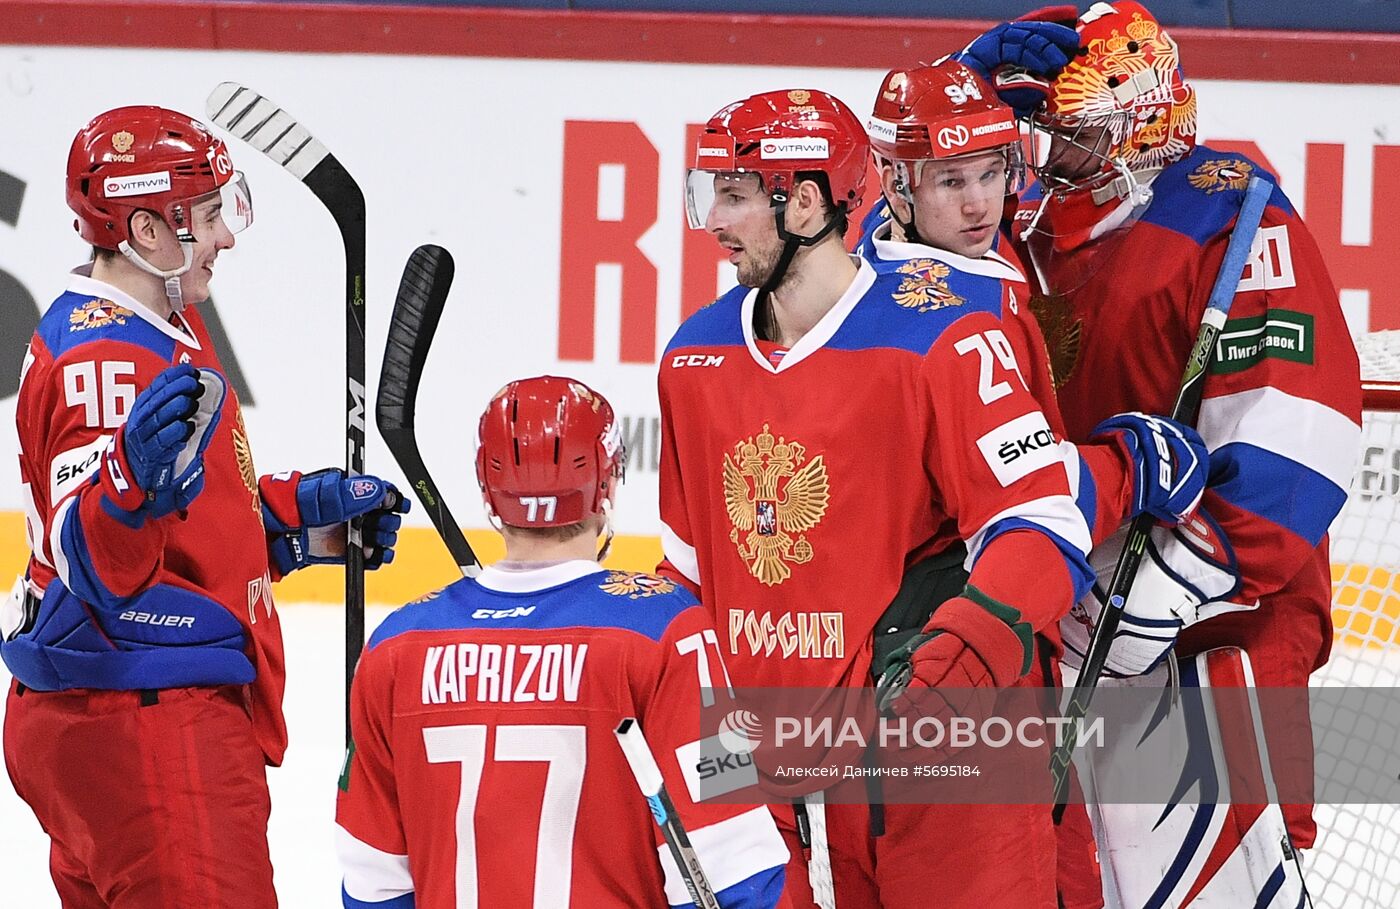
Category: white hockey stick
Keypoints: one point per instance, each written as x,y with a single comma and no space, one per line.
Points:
643,764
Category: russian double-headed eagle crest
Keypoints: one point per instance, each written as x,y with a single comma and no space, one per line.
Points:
923,288
1063,334
243,452
635,586
773,495
97,313
1219,175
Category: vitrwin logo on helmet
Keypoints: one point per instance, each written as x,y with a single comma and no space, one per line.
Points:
953,136
882,129
136,185
781,149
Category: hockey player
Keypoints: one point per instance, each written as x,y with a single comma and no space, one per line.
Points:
949,158
824,429
1125,235
145,648
484,769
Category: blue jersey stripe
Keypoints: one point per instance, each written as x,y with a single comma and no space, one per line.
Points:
1275,488
622,600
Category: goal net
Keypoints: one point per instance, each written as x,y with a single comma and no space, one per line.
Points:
1356,861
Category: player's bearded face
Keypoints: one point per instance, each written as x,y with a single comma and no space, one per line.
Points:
958,201
741,219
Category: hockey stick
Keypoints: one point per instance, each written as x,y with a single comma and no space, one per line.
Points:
1188,404
427,277
277,134
643,764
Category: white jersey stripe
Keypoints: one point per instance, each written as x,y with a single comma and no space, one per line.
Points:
680,554
1057,514
1307,432
371,875
730,851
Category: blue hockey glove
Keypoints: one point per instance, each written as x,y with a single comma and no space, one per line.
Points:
1170,463
1019,59
155,465
324,502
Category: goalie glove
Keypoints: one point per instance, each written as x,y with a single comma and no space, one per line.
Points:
305,517
1186,574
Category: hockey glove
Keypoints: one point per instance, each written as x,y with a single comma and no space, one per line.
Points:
305,517
1170,463
972,641
1185,575
155,464
1019,59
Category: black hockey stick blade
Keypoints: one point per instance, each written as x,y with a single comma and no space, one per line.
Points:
427,278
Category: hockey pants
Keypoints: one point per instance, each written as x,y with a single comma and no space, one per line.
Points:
150,799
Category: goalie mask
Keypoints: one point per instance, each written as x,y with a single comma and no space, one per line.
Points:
549,453
151,159
942,112
1120,111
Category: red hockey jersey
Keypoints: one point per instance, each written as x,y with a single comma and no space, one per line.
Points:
94,350
485,772
1101,474
796,493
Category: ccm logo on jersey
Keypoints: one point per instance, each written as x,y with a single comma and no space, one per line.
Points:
515,612
1020,447
680,360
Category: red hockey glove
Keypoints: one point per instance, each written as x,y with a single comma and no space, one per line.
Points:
972,641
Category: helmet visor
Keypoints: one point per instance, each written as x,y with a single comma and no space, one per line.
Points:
725,193
236,203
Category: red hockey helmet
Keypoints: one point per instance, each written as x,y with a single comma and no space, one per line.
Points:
940,111
153,159
1126,80
779,135
549,452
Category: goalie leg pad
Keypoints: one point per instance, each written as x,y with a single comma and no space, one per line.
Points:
1203,852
